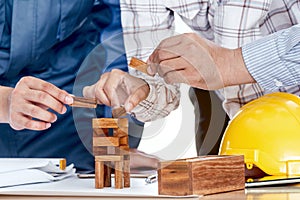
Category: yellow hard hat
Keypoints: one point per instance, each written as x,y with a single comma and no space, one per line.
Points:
267,132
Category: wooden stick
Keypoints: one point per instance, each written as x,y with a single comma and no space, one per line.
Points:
84,102
99,174
139,65
119,175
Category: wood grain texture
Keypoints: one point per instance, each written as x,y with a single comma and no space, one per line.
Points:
174,178
109,158
119,175
99,174
98,151
111,150
139,65
110,123
84,102
100,132
106,141
107,174
202,175
126,172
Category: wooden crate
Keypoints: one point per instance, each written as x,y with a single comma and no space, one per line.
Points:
201,175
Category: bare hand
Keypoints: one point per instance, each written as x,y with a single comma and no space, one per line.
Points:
118,88
29,102
139,159
189,59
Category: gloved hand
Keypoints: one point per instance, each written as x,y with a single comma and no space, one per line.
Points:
118,88
190,59
31,98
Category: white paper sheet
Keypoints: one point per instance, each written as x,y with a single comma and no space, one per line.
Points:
74,186
15,171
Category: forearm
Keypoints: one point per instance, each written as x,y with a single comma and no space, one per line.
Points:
232,67
4,94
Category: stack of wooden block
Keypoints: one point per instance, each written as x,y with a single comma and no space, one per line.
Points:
111,151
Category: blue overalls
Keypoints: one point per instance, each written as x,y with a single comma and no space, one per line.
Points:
49,39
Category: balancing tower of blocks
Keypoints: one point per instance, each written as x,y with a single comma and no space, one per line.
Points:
111,151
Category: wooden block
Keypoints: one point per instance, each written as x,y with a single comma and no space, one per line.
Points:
123,140
107,174
109,158
121,132
118,112
98,151
119,174
123,123
201,175
99,174
109,123
126,172
100,132
139,65
62,164
106,141
84,102
122,150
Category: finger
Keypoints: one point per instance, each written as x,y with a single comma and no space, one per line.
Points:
115,88
34,111
25,122
41,97
99,92
176,64
89,91
38,84
138,96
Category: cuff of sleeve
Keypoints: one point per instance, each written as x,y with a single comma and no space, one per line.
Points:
264,64
141,110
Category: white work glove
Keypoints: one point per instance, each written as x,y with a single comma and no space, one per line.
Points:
118,88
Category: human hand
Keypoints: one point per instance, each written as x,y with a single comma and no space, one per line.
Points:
29,101
190,59
118,88
139,159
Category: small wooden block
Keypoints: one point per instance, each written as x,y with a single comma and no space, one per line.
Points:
100,132
139,65
107,175
118,112
105,141
62,164
121,132
123,140
126,172
109,158
120,150
99,175
201,175
123,123
99,151
118,175
84,102
109,123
